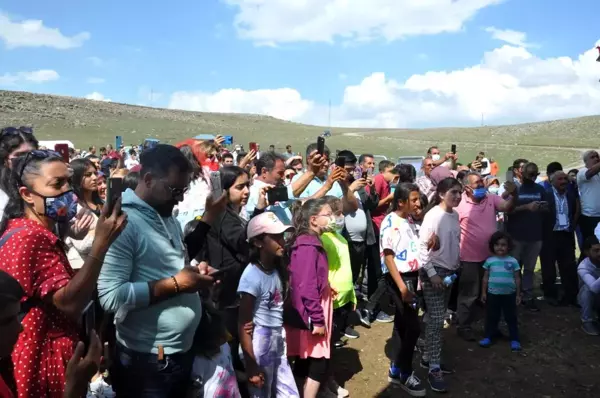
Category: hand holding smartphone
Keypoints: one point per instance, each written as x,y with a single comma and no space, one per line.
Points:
321,146
63,150
114,189
277,194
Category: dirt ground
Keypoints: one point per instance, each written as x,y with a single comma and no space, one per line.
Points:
558,360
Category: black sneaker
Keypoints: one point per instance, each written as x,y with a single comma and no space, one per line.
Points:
436,380
411,384
445,370
364,317
339,344
531,305
351,333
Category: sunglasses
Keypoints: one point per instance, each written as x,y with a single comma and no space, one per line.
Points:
13,131
37,154
177,192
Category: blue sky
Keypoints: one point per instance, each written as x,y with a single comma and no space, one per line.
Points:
382,63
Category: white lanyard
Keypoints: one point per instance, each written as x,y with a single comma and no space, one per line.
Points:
560,202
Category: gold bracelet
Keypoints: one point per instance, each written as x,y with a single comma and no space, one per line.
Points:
176,284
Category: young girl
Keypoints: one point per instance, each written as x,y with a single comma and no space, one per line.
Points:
262,292
308,321
340,280
400,262
501,290
442,221
212,374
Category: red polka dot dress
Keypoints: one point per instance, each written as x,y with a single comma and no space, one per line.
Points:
35,258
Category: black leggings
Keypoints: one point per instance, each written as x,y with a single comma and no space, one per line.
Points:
406,323
313,368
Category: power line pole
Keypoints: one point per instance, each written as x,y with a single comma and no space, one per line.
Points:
329,116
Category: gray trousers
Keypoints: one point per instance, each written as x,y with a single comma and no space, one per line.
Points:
527,254
469,287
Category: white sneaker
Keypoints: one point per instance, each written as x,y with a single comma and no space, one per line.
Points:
335,388
100,389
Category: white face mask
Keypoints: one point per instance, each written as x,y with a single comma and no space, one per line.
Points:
494,190
435,157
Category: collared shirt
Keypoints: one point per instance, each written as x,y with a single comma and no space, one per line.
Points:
316,184
477,225
589,192
426,186
562,211
281,209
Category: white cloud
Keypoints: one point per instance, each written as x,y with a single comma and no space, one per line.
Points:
513,37
282,103
96,96
95,80
510,84
38,76
285,21
33,33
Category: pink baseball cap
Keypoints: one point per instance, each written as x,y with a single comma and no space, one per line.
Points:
267,223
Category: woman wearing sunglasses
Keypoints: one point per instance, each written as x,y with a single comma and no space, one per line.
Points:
40,200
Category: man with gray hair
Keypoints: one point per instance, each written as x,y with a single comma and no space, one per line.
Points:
477,216
558,241
588,182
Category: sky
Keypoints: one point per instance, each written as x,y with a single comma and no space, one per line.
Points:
345,63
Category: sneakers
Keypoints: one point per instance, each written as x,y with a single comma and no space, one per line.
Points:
531,305
591,328
382,317
436,380
515,346
364,317
411,383
485,343
466,334
445,370
335,388
351,333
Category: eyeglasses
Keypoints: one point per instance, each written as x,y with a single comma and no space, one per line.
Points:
177,192
12,131
27,157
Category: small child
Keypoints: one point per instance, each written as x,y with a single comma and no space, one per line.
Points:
212,374
501,290
262,290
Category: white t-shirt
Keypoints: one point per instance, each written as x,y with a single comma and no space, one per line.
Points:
214,377
589,193
3,202
130,163
447,227
400,236
267,290
356,222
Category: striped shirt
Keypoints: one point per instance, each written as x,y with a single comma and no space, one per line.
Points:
502,274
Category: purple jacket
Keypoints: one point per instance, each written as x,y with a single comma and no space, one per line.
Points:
308,278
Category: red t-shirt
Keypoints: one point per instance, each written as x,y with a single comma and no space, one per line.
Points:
382,187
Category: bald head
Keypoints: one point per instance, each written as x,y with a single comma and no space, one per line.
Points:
560,181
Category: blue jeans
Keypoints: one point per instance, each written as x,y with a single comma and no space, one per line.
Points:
498,304
140,375
590,304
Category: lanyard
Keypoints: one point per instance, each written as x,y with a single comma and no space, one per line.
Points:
560,202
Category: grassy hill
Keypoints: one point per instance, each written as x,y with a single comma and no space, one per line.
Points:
87,122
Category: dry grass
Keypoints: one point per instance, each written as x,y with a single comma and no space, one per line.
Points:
87,122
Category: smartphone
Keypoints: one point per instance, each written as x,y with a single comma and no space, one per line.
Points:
88,324
63,150
228,140
215,183
484,165
277,194
220,272
510,176
118,142
365,175
340,161
321,146
453,149
114,189
253,147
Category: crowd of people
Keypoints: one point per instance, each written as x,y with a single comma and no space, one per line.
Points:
201,282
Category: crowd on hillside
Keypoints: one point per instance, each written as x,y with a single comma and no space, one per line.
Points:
225,273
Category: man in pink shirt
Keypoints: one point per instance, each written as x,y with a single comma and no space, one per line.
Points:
477,216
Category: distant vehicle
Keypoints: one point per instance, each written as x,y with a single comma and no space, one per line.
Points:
51,144
150,143
205,137
326,134
415,161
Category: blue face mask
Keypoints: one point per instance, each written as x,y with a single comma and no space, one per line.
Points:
61,208
479,193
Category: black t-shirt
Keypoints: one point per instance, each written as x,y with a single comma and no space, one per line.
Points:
527,225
